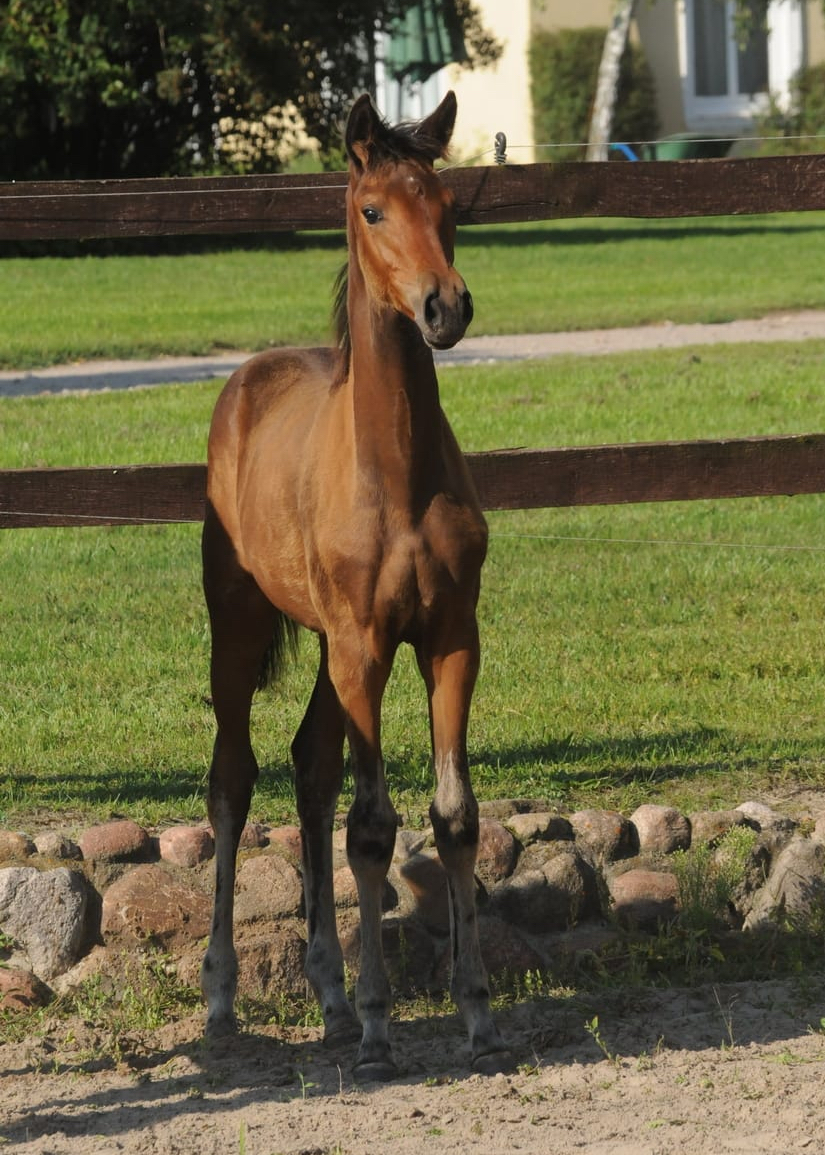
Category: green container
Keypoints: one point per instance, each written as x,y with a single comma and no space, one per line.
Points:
687,146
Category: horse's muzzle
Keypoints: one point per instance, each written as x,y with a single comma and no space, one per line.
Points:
445,316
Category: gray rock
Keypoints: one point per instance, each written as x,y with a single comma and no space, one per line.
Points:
505,950
606,834
644,898
53,844
547,895
286,840
254,836
541,826
661,829
345,888
271,963
267,887
409,952
15,846
423,876
765,818
45,912
708,826
795,888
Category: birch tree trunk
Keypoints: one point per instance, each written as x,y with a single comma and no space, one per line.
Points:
601,118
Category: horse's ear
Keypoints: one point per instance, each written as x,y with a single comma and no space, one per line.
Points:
363,127
439,125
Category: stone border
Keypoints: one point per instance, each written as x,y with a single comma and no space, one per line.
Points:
548,885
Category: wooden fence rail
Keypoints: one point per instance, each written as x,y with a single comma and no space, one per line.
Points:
484,195
506,479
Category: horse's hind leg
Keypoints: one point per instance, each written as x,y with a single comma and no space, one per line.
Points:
318,756
448,661
242,622
371,825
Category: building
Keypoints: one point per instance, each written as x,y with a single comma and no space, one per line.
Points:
707,82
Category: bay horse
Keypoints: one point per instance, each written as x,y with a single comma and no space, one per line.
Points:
338,500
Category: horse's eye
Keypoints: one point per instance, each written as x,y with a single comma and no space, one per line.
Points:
371,216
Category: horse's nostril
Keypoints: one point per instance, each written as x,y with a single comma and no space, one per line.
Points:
432,312
467,306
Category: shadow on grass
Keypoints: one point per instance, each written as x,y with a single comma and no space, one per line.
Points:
550,233
547,232
656,758
556,766
120,789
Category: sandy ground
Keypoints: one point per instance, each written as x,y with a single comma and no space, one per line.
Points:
736,1068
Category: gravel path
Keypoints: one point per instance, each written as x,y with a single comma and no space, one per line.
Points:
798,326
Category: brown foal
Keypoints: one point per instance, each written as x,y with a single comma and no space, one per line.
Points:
339,500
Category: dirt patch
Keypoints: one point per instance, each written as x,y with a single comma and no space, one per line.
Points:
726,1068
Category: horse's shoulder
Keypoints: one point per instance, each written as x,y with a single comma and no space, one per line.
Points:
286,366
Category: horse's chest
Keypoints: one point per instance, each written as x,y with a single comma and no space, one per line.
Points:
413,576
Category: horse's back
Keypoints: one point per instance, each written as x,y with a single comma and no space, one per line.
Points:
271,377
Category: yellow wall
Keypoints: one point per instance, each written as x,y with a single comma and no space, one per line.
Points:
497,99
656,23
554,14
815,31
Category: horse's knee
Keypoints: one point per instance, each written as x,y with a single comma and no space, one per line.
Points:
455,825
371,836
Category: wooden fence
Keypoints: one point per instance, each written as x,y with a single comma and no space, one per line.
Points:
509,479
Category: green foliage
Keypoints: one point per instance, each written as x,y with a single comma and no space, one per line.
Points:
564,67
127,88
708,877
802,128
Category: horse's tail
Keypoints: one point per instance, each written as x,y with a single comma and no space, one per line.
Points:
283,646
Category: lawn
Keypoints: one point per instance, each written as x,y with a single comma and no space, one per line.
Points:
656,652
540,277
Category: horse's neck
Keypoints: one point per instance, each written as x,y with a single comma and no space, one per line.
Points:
395,402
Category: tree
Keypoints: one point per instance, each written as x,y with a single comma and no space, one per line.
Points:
601,118
747,14
108,88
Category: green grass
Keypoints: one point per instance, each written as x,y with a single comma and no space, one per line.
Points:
524,278
655,652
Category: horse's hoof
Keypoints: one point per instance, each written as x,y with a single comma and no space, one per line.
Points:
220,1026
494,1063
343,1033
375,1071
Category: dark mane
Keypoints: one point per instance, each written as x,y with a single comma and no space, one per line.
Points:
340,317
404,142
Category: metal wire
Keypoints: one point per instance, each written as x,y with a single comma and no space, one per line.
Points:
662,541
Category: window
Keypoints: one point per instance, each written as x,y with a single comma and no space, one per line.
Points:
727,77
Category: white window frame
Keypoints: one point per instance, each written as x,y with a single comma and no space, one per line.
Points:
736,112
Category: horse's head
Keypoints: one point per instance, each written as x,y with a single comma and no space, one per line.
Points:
400,220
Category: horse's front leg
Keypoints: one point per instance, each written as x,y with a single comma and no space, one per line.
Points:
448,659
360,681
